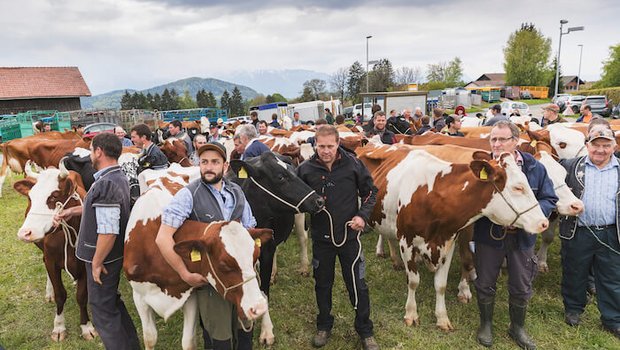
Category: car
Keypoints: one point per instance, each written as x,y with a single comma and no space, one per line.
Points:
561,101
559,97
598,105
511,107
97,128
574,103
240,119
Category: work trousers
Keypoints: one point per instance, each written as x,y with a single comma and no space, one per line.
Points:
110,316
522,268
579,254
353,265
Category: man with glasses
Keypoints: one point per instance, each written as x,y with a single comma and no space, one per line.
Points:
495,243
592,238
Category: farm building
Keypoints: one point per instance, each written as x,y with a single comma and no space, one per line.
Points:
41,88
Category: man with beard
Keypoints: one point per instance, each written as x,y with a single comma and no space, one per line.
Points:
210,198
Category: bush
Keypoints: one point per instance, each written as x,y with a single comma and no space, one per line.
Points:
612,93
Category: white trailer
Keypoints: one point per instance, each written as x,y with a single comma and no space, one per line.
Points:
313,110
267,110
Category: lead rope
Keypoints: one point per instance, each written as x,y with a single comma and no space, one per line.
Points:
296,207
518,215
598,239
338,245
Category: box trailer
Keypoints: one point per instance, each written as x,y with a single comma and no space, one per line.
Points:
313,110
267,110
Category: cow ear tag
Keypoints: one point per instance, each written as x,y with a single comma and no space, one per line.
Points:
483,174
257,242
533,143
195,255
243,174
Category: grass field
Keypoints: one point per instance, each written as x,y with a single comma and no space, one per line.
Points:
26,320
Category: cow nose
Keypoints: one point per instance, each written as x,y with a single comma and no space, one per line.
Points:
320,202
543,225
577,207
24,235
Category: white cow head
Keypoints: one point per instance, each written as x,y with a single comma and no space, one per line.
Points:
567,142
47,193
516,204
568,203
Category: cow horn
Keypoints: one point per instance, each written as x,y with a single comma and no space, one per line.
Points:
63,170
28,170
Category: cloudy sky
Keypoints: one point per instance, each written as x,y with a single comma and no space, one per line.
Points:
139,43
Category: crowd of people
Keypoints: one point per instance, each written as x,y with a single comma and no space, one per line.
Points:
590,242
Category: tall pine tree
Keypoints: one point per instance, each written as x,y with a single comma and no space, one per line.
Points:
236,103
225,101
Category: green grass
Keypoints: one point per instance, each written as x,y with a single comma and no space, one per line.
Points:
536,101
26,320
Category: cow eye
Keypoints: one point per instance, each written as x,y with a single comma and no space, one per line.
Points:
518,188
281,177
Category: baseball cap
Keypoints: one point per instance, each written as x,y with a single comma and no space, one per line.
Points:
601,133
220,120
496,108
213,146
213,125
552,107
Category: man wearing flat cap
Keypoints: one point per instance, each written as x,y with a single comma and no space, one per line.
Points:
591,240
551,115
210,198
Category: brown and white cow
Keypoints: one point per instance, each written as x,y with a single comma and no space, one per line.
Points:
176,152
48,193
224,252
424,201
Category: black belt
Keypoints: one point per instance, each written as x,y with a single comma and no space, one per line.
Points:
599,228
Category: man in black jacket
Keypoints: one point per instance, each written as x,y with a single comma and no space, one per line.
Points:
151,156
341,179
387,137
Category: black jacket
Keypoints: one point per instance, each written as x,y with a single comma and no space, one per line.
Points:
341,188
152,158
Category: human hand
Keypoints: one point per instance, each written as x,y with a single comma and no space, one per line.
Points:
97,270
194,279
65,214
357,223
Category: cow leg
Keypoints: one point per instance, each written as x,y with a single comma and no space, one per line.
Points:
266,330
413,280
547,239
379,250
147,318
81,294
282,227
59,333
302,236
274,269
468,271
49,290
397,261
190,318
441,282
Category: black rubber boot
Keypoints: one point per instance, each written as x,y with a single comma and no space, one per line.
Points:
518,310
485,331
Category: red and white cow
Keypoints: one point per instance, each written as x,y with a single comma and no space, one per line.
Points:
158,288
424,201
51,191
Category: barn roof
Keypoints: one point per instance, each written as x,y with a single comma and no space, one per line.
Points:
41,82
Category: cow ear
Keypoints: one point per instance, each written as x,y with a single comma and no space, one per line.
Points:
241,169
261,234
482,155
482,170
191,250
24,186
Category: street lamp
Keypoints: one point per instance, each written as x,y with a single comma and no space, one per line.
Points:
579,71
367,78
557,67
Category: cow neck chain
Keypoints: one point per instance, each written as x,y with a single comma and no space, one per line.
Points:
518,215
296,207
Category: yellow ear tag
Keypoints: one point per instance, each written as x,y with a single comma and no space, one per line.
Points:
242,173
533,143
195,255
257,242
483,174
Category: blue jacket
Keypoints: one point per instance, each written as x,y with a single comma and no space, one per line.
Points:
491,234
255,149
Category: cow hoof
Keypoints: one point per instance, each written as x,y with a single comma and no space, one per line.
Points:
304,272
411,322
273,281
49,298
88,331
59,335
398,267
465,299
267,339
381,255
445,326
543,267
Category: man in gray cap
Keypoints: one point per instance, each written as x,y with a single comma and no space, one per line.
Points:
591,240
497,116
551,115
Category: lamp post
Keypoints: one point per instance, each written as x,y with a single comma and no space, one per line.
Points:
579,71
557,68
367,77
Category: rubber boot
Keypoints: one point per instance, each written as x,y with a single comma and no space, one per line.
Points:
485,331
244,339
518,310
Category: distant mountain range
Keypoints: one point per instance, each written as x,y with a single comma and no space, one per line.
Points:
287,82
112,99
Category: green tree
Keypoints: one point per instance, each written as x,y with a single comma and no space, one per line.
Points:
382,76
611,68
201,99
526,57
445,74
186,101
156,102
355,81
316,87
149,100
236,103
307,95
211,101
225,101
338,82
551,77
126,100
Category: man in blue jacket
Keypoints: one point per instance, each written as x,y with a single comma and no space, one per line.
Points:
495,243
246,142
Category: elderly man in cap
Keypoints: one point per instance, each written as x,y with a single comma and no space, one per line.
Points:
214,134
592,238
551,115
497,116
210,198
